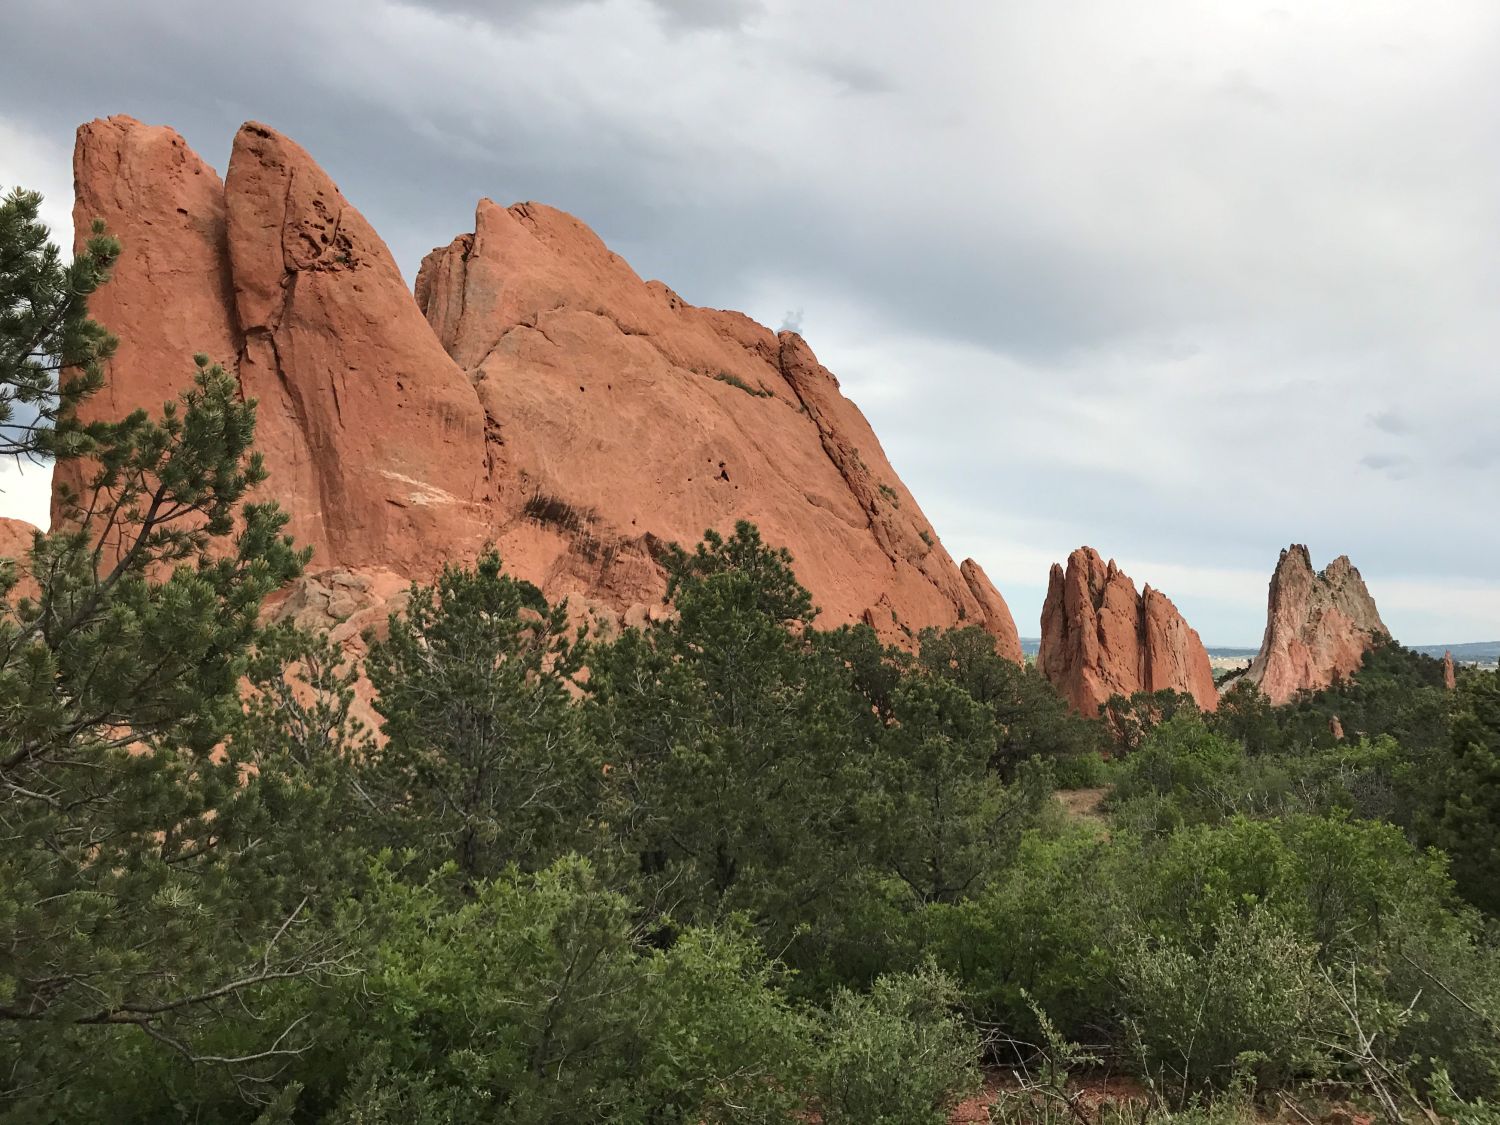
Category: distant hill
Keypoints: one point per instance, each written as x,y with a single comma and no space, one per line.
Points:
1474,652
1030,646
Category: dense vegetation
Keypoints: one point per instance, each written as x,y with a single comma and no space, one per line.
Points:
729,867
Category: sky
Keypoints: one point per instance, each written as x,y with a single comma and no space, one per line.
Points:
1183,281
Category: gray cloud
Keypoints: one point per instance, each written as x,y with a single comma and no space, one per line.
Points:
1143,276
1397,466
514,13
1388,421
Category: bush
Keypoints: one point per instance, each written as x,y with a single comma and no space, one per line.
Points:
1241,1004
899,1055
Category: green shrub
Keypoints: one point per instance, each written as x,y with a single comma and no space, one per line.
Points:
1240,1004
740,384
897,1055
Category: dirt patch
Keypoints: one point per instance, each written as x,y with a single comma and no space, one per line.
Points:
1084,804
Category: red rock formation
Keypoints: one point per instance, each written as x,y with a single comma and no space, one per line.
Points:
1336,729
374,436
620,416
1450,677
1318,626
584,418
170,295
377,437
1100,638
996,616
15,543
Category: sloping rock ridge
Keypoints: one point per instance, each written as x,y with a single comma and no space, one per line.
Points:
536,393
1101,638
1319,625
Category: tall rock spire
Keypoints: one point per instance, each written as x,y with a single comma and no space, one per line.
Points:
1319,625
1101,638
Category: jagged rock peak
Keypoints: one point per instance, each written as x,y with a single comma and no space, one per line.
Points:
1099,638
536,393
1319,625
373,436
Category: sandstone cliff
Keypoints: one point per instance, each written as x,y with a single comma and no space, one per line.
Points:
557,405
1099,638
1318,626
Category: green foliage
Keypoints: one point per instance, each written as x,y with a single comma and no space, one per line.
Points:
483,762
740,384
1129,721
1243,1002
897,1055
538,1001
1463,814
51,354
933,779
130,834
1031,719
732,757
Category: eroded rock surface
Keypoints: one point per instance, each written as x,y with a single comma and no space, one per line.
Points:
620,417
1101,638
1319,625
556,404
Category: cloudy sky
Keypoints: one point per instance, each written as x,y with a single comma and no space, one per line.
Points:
1183,280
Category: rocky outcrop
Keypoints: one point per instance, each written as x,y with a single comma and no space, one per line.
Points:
621,417
1450,676
556,404
15,544
15,538
373,435
1101,638
1319,625
995,615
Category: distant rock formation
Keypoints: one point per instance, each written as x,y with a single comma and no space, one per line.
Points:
1100,638
556,404
1319,625
15,542
1450,677
15,537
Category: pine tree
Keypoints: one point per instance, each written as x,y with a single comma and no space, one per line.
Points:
1464,814
483,763
127,809
51,354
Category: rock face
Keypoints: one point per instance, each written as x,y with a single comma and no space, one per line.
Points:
15,537
374,436
1099,638
1319,626
15,542
1450,676
556,404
